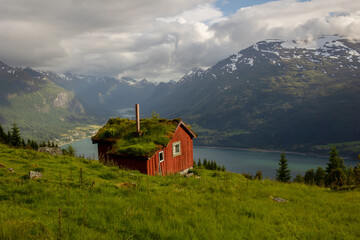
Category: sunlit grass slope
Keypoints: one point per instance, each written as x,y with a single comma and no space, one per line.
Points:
38,118
82,199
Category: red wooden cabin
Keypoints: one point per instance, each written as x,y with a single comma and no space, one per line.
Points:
174,154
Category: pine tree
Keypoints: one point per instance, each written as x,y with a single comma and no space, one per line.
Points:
8,137
335,170
199,164
335,162
205,163
283,173
2,135
15,139
34,145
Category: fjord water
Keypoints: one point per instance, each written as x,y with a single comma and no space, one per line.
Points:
238,161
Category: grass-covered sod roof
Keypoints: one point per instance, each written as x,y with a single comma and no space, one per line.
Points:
154,134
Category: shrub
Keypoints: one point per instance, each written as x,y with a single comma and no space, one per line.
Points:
335,178
319,176
309,177
259,175
247,176
298,179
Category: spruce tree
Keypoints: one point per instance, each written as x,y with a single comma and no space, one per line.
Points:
199,163
335,170
2,135
8,137
283,173
15,139
335,162
205,163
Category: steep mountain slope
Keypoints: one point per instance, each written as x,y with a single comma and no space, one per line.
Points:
40,108
104,95
275,94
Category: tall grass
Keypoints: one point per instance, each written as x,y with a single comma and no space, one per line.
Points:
110,203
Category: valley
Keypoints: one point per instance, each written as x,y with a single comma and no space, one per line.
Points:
275,95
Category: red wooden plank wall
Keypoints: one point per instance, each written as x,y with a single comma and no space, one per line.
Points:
170,164
173,164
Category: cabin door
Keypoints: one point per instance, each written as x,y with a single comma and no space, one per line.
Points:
161,159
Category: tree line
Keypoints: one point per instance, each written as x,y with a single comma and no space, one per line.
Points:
210,165
335,175
13,138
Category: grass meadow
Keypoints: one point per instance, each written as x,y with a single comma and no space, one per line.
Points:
82,199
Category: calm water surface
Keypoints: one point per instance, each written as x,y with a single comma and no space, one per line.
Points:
238,161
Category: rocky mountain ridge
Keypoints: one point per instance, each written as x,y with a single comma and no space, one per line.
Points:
274,94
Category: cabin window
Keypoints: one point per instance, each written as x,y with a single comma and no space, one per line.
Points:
161,156
176,149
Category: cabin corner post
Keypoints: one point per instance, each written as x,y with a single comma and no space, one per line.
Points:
137,118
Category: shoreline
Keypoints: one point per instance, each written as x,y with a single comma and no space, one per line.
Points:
267,151
240,149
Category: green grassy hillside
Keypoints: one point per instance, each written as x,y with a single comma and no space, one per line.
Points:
45,113
82,199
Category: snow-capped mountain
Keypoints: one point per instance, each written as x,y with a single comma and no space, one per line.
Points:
275,93
40,108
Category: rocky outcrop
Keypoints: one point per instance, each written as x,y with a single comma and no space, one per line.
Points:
35,175
52,150
62,99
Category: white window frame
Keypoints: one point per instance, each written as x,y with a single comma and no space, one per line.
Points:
175,153
163,156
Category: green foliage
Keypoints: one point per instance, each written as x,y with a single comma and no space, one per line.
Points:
258,175
211,165
155,134
37,107
309,177
69,151
320,176
247,176
199,164
155,115
335,170
110,203
335,162
335,178
3,136
15,138
283,173
298,179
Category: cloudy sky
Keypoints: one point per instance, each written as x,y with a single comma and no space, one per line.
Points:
158,40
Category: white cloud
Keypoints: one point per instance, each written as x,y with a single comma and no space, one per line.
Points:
289,19
157,40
